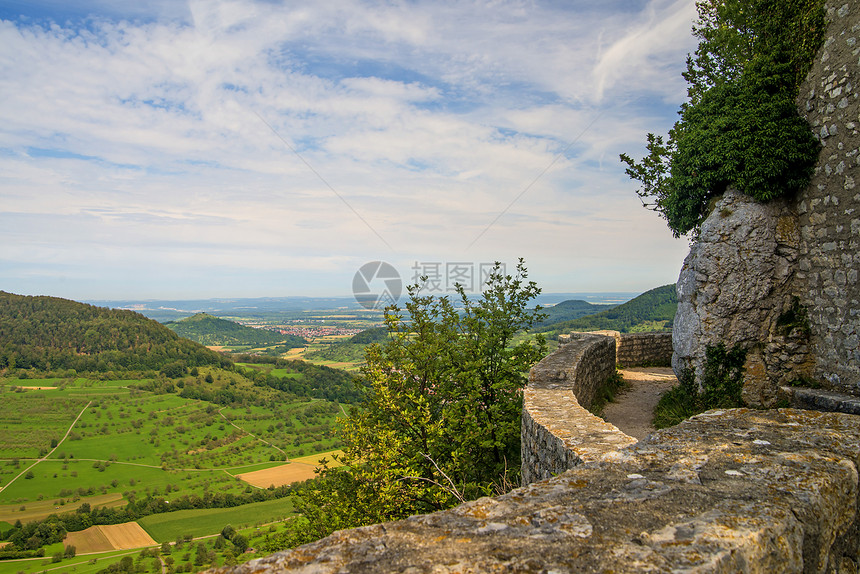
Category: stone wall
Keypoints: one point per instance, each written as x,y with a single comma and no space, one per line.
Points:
558,432
757,269
635,349
829,209
727,491
644,349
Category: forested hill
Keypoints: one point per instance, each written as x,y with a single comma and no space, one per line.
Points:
569,310
51,334
652,310
209,330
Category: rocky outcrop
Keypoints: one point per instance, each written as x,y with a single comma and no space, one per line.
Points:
781,279
736,287
733,491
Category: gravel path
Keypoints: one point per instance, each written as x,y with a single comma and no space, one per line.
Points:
633,409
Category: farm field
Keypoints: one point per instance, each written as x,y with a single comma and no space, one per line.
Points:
137,443
70,445
81,564
109,537
38,510
279,475
204,522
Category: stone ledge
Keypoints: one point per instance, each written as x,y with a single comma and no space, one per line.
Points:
821,400
560,434
726,491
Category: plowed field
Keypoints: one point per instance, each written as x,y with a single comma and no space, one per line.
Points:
279,475
109,537
44,508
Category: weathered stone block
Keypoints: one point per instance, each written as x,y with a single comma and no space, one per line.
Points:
727,491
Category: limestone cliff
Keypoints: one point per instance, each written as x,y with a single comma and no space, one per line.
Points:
781,279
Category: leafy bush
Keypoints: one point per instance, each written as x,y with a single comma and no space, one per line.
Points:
740,127
440,422
722,384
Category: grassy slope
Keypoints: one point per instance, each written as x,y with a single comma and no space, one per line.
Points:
166,527
569,310
146,443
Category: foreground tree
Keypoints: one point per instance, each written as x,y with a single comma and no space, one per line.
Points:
440,421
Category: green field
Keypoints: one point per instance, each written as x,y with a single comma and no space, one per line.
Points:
107,442
170,525
78,565
139,443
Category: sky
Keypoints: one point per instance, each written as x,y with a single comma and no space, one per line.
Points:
264,148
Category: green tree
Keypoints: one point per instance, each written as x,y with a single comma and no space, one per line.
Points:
239,542
740,127
440,422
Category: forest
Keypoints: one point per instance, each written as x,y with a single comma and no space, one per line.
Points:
652,310
208,330
59,335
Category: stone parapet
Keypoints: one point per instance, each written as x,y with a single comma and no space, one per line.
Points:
558,432
644,350
727,491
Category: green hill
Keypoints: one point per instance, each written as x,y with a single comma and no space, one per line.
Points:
51,334
372,335
569,310
209,330
653,310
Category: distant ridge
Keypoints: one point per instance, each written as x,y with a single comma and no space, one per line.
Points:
208,330
49,334
569,310
653,310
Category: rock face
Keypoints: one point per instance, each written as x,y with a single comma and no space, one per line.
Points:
735,286
781,279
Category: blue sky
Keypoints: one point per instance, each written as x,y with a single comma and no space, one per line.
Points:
170,149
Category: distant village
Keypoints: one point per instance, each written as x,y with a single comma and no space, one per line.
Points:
316,332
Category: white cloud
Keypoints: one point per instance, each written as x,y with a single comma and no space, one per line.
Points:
645,51
150,137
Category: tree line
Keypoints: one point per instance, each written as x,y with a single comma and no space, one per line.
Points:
317,381
208,330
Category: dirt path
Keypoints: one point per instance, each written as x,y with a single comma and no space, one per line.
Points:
633,409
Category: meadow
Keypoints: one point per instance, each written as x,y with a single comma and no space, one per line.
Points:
172,525
74,441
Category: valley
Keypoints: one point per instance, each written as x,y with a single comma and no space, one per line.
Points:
127,448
